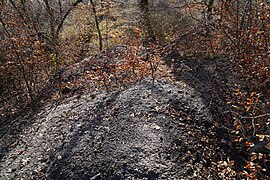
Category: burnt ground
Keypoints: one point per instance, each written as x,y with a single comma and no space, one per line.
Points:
163,131
170,130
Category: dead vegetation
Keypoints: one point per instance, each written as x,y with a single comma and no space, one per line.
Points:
219,48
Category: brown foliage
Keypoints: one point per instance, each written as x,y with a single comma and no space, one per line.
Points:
34,50
24,62
239,30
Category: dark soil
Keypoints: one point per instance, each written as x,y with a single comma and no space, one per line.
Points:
163,131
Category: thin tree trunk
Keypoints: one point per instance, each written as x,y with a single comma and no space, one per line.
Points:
237,27
53,38
210,6
97,25
61,23
149,36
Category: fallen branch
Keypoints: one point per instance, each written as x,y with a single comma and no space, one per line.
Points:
254,117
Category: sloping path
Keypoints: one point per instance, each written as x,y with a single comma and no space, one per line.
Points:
144,132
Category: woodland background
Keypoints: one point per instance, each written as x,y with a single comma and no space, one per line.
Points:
43,41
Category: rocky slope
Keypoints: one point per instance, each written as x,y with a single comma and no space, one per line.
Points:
160,131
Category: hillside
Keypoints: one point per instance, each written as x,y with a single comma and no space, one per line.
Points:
125,89
163,131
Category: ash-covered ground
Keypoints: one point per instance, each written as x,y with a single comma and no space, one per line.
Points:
160,131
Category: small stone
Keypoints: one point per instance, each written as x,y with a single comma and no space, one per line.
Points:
156,127
59,157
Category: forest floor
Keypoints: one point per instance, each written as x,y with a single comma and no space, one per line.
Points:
165,130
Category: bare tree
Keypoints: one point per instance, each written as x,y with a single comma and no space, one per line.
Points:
56,22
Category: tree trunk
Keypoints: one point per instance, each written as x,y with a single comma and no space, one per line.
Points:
210,6
97,25
149,36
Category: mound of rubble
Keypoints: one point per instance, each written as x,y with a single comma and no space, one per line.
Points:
147,131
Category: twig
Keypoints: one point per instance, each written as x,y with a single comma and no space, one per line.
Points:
254,117
254,127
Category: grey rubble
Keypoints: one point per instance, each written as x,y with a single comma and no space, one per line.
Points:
142,132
